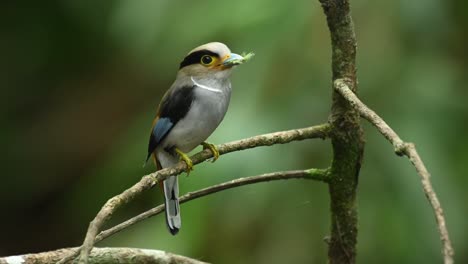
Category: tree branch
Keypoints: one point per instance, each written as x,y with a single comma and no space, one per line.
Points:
310,174
104,255
346,136
409,150
147,182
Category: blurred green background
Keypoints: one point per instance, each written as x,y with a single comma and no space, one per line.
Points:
80,82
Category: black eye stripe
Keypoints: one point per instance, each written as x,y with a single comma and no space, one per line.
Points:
195,57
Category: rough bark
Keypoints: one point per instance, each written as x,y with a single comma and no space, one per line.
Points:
104,256
346,136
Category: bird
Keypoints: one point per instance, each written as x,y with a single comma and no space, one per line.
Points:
189,112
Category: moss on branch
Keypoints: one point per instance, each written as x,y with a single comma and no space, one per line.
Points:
346,136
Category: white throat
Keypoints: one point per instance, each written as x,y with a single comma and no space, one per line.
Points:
199,85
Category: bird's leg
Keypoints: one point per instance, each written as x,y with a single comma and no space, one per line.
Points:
213,149
186,159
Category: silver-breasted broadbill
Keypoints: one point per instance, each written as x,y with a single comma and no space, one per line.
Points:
188,113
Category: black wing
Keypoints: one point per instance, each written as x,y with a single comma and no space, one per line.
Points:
174,106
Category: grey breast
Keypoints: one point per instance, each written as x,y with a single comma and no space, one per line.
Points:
206,113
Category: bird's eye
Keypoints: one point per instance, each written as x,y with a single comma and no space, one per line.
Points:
206,60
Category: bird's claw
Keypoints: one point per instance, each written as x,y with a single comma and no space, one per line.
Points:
213,150
184,157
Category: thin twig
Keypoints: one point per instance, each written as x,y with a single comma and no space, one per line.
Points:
320,131
311,174
409,150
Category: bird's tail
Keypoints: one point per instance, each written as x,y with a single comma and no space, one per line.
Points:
171,196
171,200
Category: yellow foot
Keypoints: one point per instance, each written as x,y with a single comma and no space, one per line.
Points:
186,159
213,149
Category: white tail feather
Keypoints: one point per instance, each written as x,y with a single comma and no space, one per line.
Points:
171,196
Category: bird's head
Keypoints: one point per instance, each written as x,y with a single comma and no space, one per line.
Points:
212,59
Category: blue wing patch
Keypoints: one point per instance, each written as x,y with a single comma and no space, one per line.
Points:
161,128
159,132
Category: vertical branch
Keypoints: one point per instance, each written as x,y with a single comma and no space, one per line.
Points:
346,136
